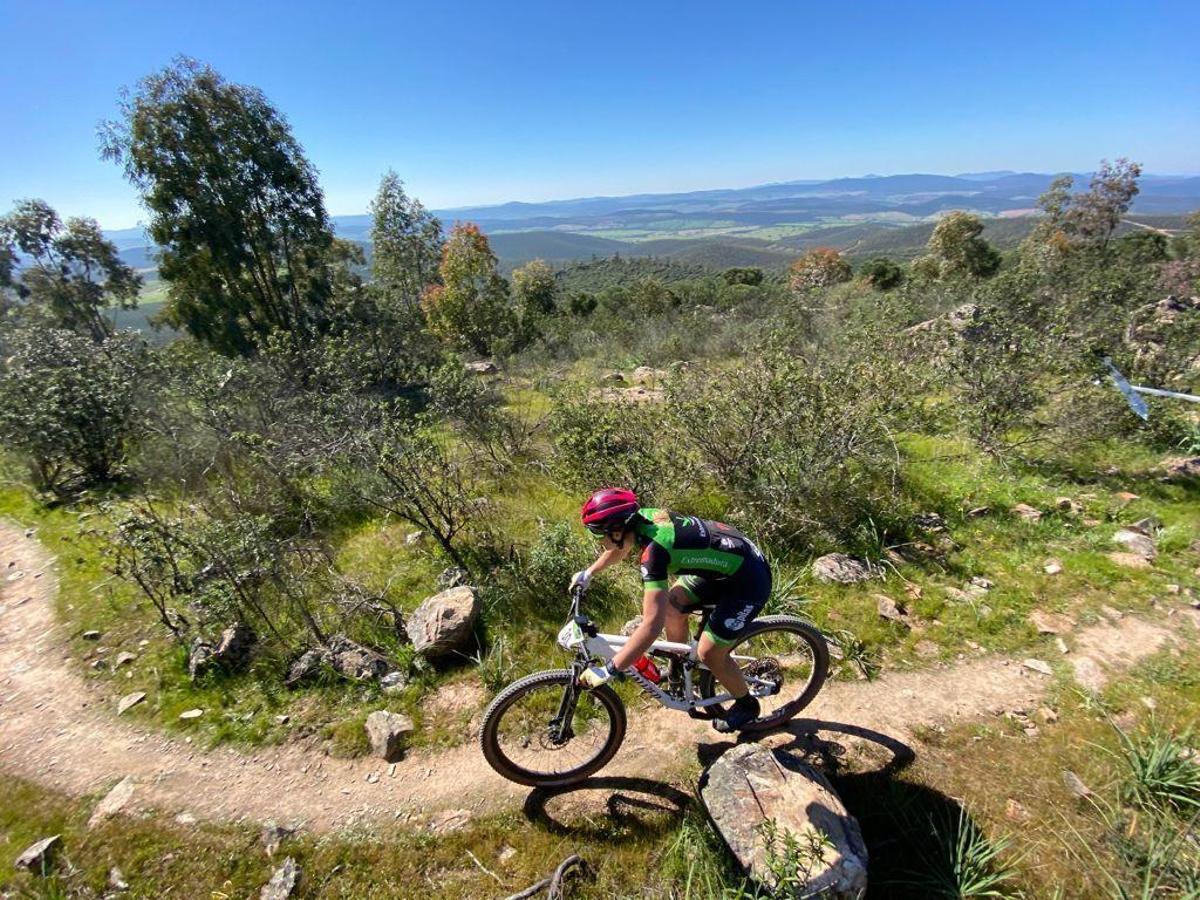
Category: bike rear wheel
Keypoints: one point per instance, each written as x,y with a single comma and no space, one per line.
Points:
521,740
786,651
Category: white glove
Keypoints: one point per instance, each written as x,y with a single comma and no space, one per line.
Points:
594,676
580,580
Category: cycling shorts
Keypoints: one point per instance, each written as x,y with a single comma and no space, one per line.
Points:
733,601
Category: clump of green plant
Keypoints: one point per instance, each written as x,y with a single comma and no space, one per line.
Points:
1160,769
965,862
791,860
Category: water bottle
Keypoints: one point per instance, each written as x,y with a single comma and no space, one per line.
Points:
648,669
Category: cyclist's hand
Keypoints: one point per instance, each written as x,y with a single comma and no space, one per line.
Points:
580,580
594,676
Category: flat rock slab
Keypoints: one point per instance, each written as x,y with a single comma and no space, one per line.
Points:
752,785
113,802
39,857
840,569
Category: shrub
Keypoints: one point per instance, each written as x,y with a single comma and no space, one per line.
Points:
882,273
818,268
68,404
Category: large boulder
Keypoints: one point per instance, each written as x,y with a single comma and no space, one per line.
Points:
761,800
840,568
387,732
443,623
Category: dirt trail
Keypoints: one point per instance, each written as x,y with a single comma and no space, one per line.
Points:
60,730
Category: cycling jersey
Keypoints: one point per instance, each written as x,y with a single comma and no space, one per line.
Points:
716,566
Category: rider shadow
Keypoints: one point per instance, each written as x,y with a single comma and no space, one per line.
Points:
911,830
637,806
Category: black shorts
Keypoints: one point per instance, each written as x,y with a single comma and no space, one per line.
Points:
734,600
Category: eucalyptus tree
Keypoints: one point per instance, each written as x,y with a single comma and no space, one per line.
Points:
233,203
406,243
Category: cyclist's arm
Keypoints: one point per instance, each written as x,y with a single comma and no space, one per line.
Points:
611,555
654,616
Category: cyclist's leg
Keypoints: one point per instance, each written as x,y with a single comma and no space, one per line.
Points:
742,598
687,593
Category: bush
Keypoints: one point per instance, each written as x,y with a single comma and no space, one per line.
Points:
68,404
882,273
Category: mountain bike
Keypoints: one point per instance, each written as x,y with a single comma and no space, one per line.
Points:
547,730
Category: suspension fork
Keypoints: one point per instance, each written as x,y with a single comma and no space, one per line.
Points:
560,725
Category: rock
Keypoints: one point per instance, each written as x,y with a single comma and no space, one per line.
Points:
1068,506
957,595
1089,674
1061,645
354,660
978,511
129,701
891,610
1052,567
113,801
415,538
273,835
37,858
283,881
751,785
386,732
189,714
306,666
1182,469
1015,811
1037,665
233,649
1075,784
930,521
1136,542
631,626
92,635
1051,623
394,682
612,378
840,568
1047,715
1113,615
1148,525
116,880
984,584
185,818
444,622
1126,497
1129,560
506,853
481,367
125,658
452,577
648,376
1026,512
200,657
98,664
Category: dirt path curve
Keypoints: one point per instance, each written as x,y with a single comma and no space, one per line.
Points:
57,729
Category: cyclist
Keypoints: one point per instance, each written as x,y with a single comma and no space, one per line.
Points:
712,564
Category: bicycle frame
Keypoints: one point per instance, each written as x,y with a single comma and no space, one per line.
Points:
582,637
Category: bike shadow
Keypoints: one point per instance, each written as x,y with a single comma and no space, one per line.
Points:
636,806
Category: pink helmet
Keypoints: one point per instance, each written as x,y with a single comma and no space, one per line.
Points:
609,508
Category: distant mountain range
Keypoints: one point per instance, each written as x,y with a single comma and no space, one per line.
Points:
765,225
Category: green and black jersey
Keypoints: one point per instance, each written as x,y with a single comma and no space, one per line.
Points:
717,566
685,545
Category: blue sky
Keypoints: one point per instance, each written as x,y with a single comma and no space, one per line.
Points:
482,102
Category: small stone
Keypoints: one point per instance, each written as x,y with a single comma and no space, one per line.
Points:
840,569
449,820
185,818
1052,567
272,835
984,584
1150,703
189,714
506,853
92,635
612,378
415,538
283,881
1061,645
394,682
387,732
1051,623
372,778
1113,615
1037,665
1015,811
973,645
1047,715
1136,542
889,609
113,801
1126,497
1027,512
98,664
1149,525
1031,731
958,596
125,658
116,880
37,858
1069,506
129,701
1172,589
1075,784
978,511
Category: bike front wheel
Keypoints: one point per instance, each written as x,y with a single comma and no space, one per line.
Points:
544,731
787,661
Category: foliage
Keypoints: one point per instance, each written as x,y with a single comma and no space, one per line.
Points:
534,290
1160,769
820,267
69,404
742,275
881,273
477,408
791,860
972,865
956,250
470,308
233,204
406,243
72,274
